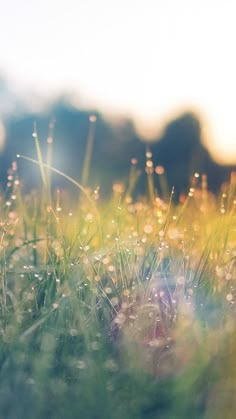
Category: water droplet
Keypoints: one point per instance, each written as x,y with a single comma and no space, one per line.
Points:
148,228
74,332
81,365
159,170
114,301
92,118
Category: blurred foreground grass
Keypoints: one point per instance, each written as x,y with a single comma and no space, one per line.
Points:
117,308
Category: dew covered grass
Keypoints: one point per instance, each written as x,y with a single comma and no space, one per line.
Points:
123,307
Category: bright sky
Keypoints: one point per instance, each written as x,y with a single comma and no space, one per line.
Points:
147,58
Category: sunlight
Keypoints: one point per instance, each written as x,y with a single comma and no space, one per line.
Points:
141,59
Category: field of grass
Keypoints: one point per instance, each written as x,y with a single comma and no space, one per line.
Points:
123,308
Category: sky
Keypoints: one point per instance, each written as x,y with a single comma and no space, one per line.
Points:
145,59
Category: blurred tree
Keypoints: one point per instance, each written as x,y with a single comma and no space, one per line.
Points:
181,152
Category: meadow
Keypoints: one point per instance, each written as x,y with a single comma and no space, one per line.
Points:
119,307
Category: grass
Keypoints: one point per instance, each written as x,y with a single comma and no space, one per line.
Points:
117,308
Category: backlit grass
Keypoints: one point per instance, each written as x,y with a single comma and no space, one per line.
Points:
117,308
